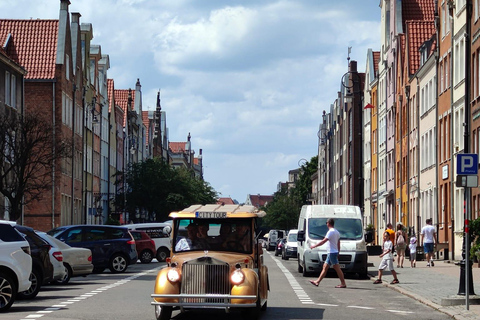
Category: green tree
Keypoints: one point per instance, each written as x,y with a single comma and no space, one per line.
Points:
283,211
157,187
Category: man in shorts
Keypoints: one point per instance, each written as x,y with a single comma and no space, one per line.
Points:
332,238
429,237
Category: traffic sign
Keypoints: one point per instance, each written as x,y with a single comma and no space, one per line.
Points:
467,164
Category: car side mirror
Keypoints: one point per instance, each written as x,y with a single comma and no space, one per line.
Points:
167,230
301,236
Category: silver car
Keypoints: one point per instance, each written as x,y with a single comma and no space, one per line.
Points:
76,261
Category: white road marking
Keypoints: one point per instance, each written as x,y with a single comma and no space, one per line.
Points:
360,307
399,311
82,297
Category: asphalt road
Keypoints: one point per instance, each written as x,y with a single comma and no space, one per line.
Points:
127,296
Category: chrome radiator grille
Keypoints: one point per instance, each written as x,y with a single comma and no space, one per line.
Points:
205,279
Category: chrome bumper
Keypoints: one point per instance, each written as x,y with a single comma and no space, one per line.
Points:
202,301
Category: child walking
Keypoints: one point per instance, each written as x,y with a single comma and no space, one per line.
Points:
387,260
413,251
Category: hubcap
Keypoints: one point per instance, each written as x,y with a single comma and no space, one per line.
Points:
6,292
33,287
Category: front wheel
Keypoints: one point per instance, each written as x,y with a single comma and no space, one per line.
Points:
8,291
163,313
305,272
300,268
118,264
162,254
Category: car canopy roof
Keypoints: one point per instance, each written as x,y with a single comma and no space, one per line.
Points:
218,211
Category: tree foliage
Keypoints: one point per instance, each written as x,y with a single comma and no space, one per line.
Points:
283,211
30,151
158,188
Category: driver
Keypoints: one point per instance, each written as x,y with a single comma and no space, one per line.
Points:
240,239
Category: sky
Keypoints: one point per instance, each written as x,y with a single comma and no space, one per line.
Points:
248,80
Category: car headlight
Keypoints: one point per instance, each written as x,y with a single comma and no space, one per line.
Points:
173,275
237,277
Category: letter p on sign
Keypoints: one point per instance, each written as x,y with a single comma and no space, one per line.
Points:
467,164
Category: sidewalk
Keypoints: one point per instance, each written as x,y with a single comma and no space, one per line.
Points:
430,285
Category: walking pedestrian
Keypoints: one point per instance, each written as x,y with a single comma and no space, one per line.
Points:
429,237
413,251
332,238
400,245
387,260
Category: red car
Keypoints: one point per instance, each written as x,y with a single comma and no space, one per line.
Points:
145,246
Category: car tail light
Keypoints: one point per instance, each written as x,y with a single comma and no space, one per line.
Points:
152,242
89,258
26,250
58,255
131,241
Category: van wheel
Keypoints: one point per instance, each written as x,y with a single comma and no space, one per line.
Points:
146,256
300,268
305,273
162,254
118,264
8,291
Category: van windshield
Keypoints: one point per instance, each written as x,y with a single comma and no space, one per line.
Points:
349,229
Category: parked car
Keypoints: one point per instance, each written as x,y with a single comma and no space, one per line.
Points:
56,258
154,230
112,247
289,250
15,265
145,246
279,246
42,268
76,261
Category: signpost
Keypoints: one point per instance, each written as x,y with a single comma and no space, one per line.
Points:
467,177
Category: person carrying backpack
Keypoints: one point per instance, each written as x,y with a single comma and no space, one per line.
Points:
400,245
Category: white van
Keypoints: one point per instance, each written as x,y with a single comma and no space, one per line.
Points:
163,244
312,228
273,236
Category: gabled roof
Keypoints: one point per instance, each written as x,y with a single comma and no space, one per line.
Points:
417,33
177,147
224,201
259,200
121,100
32,45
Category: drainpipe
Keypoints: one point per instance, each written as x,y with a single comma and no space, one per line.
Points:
452,193
53,161
74,106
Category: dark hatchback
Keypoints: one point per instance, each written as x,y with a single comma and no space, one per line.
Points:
42,268
112,247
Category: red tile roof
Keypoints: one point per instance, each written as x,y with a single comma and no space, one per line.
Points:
111,96
33,45
146,123
259,200
224,201
417,33
420,10
376,60
121,100
177,147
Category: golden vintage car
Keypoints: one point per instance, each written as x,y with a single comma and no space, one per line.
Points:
216,262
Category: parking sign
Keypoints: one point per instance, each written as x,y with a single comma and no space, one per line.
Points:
467,164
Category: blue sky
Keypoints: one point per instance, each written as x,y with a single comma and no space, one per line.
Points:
248,79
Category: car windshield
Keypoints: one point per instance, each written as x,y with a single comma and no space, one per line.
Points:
55,231
349,229
292,237
213,234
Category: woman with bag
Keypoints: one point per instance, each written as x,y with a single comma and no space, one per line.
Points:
400,245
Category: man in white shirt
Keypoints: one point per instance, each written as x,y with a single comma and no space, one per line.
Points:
429,237
332,238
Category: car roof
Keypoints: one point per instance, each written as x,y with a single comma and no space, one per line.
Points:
230,211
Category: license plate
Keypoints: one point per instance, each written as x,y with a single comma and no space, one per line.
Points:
342,266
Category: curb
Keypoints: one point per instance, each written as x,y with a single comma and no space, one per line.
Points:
425,301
